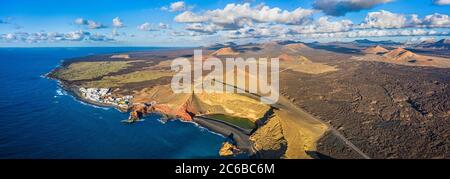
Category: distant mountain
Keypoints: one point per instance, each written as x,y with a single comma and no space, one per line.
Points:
219,45
373,43
296,46
375,50
286,42
230,44
441,44
400,54
225,52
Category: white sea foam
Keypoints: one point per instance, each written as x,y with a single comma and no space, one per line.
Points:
91,105
60,92
203,129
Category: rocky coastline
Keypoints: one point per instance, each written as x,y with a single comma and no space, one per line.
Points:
236,143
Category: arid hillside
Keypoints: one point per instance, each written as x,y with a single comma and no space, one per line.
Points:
335,102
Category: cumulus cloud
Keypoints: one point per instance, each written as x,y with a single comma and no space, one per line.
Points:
152,27
342,7
89,23
237,13
189,17
383,19
177,6
8,37
376,33
95,25
80,21
117,22
237,16
203,28
442,2
261,31
245,21
324,25
46,37
163,25
146,27
75,36
100,38
436,20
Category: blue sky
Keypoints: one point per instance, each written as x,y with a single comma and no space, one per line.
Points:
53,23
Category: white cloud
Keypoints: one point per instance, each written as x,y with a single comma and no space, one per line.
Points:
324,25
152,27
342,7
80,21
177,6
164,8
189,17
100,38
236,16
89,23
76,35
147,27
95,25
245,21
442,2
203,28
384,19
114,32
117,22
261,31
163,26
436,20
237,13
48,37
8,37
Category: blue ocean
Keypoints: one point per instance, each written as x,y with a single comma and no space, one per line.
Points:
40,120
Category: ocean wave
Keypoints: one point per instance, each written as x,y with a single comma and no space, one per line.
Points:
60,92
91,105
203,129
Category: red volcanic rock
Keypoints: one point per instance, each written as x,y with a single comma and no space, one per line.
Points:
137,112
181,112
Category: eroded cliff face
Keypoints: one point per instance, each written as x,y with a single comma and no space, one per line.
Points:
281,136
269,141
187,105
228,149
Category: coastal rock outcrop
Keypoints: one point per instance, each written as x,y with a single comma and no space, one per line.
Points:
228,149
269,141
138,111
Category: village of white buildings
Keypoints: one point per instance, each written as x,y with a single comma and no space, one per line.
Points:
104,95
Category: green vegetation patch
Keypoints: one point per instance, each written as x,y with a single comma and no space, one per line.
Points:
238,121
90,70
133,77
